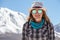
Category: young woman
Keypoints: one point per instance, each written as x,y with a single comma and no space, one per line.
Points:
38,26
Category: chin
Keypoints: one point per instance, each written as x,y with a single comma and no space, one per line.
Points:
38,20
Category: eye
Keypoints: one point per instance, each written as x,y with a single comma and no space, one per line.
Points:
33,11
39,11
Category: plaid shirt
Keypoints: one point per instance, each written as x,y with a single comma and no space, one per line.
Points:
44,33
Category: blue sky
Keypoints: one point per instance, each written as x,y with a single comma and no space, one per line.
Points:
52,6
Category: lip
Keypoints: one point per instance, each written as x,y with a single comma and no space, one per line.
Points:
37,15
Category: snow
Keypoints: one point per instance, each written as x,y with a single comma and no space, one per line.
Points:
11,21
57,34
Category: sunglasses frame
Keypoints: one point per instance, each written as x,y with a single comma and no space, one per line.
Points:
36,9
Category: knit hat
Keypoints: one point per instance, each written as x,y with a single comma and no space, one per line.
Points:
37,5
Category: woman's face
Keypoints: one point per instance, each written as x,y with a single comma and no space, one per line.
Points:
37,14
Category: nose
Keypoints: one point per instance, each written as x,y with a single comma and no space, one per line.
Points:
37,14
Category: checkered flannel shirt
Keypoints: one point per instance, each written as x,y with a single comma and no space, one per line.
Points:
44,33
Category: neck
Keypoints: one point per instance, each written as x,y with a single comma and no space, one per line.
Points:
38,20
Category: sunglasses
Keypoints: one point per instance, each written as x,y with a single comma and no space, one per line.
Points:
34,11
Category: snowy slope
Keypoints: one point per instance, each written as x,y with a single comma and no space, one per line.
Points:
57,27
57,34
57,30
11,21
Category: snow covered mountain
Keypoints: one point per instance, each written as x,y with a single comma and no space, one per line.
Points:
57,30
57,27
11,21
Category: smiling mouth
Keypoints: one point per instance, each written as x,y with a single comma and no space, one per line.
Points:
37,16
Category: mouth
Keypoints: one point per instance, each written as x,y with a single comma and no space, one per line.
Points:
37,16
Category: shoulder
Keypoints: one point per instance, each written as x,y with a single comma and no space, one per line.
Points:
25,24
50,25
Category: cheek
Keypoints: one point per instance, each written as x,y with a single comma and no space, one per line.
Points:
40,15
34,16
